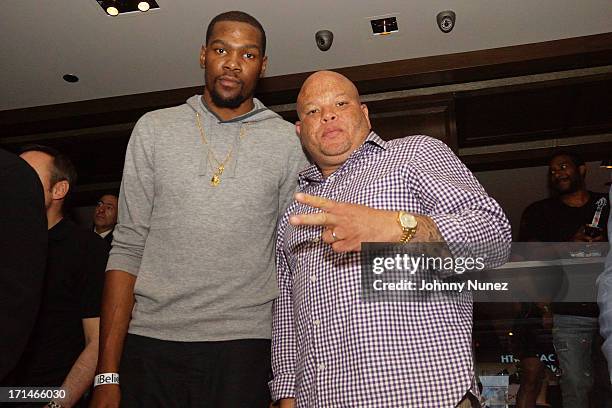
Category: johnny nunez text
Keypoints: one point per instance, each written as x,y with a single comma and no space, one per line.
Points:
439,286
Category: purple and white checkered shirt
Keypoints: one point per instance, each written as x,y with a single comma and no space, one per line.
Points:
330,348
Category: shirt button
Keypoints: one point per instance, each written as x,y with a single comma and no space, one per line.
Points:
316,240
313,278
317,322
321,367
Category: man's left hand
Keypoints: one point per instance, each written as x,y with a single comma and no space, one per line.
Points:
347,225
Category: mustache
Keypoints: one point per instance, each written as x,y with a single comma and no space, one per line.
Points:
226,77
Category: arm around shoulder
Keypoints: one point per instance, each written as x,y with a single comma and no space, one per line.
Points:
296,161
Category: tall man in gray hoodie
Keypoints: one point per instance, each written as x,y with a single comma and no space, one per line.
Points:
190,278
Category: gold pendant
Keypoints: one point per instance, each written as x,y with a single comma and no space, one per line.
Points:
216,178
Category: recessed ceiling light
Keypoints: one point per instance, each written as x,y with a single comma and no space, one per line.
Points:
71,78
116,7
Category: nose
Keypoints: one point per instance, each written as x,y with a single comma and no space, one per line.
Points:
329,115
232,62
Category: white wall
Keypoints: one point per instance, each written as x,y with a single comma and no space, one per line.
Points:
515,189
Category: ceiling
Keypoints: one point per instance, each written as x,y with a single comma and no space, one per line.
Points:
41,41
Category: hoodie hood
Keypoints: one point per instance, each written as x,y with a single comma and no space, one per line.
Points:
257,114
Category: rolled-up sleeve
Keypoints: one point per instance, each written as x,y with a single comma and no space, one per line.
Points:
135,201
461,209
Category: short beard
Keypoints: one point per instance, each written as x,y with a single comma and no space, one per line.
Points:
231,103
576,184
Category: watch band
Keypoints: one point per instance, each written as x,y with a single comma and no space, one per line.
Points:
407,235
407,232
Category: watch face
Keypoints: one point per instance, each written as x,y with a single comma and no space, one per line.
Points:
408,220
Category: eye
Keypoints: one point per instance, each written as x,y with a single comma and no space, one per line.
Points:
341,103
249,55
312,111
220,51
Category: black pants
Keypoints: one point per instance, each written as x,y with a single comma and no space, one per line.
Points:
158,373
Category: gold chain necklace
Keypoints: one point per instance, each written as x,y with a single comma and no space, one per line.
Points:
218,171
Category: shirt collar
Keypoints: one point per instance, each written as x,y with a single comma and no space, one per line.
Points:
371,144
376,140
103,234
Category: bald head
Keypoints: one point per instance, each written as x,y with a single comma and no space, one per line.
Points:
319,81
333,122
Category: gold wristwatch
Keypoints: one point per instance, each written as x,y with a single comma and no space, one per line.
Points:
408,223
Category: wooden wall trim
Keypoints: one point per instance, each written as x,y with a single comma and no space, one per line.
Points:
571,53
549,56
534,153
425,94
549,51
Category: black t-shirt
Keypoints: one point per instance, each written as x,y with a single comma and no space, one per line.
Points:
550,220
76,261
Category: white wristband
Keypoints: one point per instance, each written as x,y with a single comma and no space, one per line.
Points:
106,378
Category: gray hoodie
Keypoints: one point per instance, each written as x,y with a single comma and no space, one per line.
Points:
204,255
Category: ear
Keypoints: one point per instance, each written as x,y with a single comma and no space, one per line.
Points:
202,56
582,170
264,65
298,128
366,113
60,190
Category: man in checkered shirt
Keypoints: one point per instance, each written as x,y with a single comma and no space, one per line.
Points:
329,347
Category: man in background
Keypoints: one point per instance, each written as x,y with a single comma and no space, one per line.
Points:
105,217
63,347
572,214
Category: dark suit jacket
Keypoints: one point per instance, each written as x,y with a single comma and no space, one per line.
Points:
23,252
109,238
